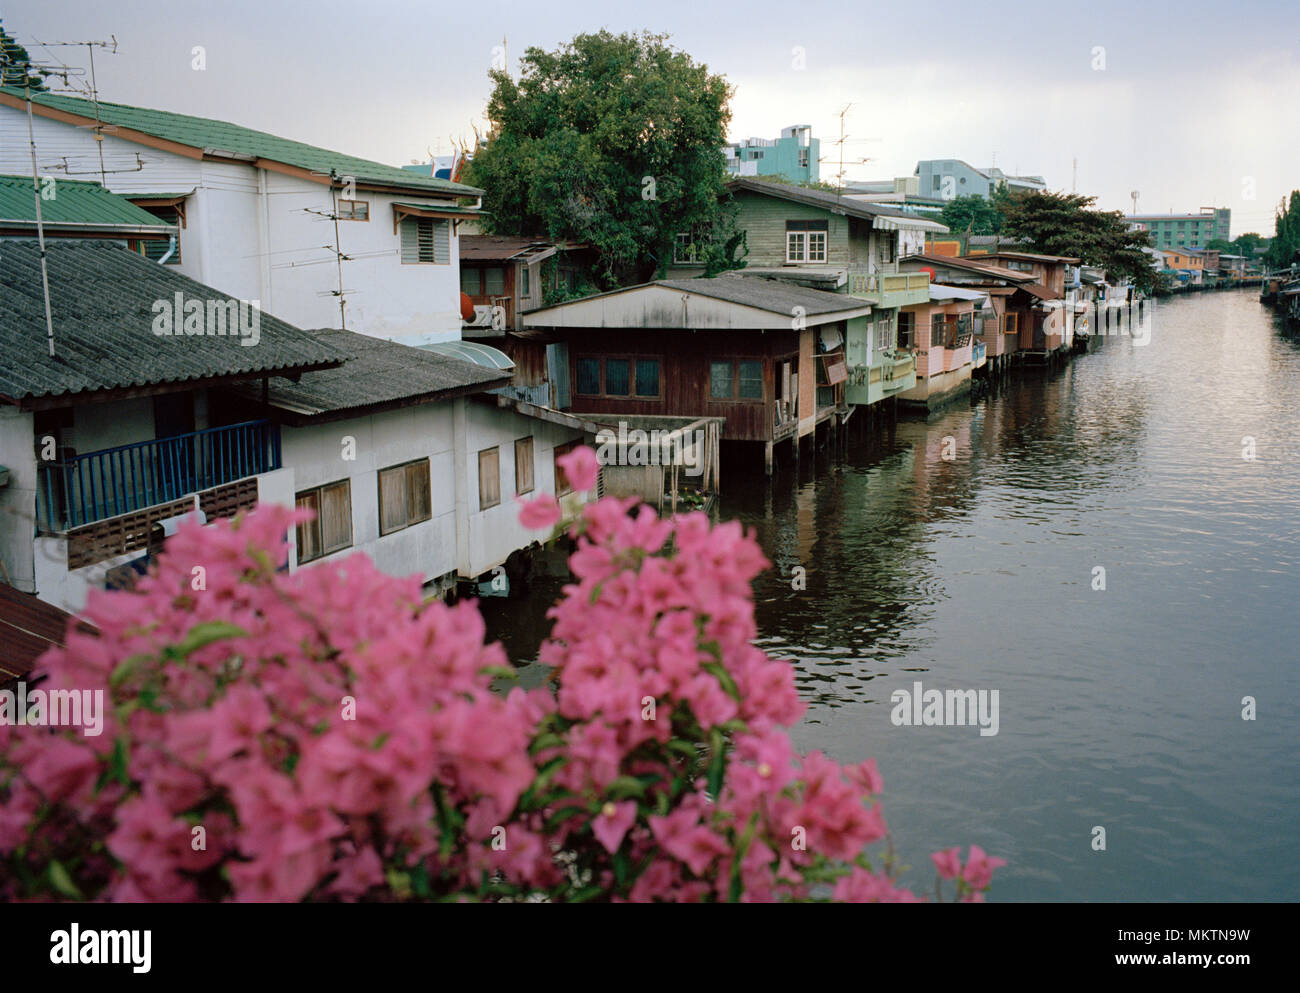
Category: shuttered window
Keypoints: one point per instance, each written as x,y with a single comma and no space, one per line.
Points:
425,239
489,478
524,465
404,496
331,529
562,484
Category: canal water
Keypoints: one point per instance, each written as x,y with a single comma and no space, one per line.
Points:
964,552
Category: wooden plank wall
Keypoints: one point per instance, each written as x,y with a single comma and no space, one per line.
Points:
684,374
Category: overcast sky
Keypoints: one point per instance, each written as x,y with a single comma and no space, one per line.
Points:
1192,103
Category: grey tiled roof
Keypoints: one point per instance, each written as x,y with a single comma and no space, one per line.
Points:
102,301
379,374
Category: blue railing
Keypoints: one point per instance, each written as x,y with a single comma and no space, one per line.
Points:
98,485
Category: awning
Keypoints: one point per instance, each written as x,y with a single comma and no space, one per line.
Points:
1040,291
908,224
449,212
472,351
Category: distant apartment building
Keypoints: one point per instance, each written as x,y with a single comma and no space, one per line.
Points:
947,179
793,155
1184,230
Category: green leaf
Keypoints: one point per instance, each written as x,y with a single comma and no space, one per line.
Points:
62,882
717,762
118,761
624,787
202,635
720,672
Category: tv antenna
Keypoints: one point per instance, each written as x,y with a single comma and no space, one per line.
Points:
99,127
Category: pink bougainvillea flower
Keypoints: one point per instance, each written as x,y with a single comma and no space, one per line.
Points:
947,862
541,514
612,824
580,468
978,873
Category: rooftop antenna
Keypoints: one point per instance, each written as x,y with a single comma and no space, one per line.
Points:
94,91
45,71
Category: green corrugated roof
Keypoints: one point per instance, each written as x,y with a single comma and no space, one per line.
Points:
203,132
74,202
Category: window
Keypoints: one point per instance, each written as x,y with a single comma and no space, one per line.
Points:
906,329
684,249
888,241
404,496
525,273
721,386
805,241
424,240
524,465
616,377
803,158
736,380
494,281
647,377
622,377
936,330
353,210
562,485
1010,323
331,529
155,250
471,281
489,478
884,331
589,377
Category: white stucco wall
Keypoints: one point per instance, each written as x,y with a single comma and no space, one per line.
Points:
18,498
266,246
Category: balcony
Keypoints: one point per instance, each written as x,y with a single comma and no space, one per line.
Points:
898,371
889,289
112,482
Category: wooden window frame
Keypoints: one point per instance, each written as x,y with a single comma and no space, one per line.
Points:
495,452
735,380
803,231
631,358
352,215
531,463
905,338
1010,323
562,485
319,493
408,520
939,328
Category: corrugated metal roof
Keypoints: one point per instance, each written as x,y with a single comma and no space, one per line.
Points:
772,295
28,627
379,374
817,198
982,268
485,248
74,202
102,300
205,133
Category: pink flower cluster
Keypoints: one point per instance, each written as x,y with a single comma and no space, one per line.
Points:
324,735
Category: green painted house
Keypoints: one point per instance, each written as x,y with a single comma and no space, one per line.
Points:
843,244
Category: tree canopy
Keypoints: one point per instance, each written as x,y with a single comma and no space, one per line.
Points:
614,141
975,215
15,64
1068,224
1285,249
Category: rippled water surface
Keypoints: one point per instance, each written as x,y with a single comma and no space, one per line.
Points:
1118,708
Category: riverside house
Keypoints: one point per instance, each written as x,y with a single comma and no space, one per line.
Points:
943,329
838,244
404,453
319,238
1014,299
765,356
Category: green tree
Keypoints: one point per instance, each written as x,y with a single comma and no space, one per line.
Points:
611,140
973,215
16,65
1285,249
1247,244
1068,224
